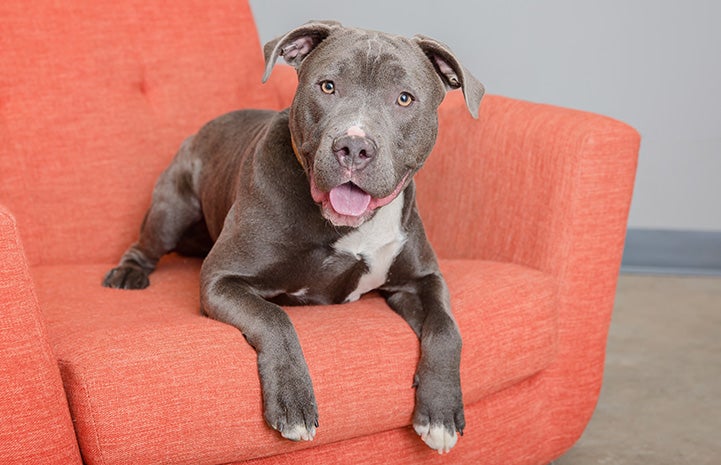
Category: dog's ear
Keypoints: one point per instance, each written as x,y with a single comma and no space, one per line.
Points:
295,45
452,73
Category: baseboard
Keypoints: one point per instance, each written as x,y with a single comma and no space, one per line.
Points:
672,252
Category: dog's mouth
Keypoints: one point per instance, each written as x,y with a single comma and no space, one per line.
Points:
349,200
349,205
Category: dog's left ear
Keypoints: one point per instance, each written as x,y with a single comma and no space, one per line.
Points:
295,45
452,73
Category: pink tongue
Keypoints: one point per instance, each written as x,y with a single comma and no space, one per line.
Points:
349,199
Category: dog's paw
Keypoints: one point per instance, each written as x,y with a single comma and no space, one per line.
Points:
437,436
126,277
438,417
294,416
298,432
289,403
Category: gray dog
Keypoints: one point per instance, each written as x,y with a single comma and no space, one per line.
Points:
316,205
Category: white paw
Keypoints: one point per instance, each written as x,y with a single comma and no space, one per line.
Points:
298,433
437,437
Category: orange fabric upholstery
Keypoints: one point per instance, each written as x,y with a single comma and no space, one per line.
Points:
526,207
35,424
96,98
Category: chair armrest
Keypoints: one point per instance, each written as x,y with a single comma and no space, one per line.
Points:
528,183
36,425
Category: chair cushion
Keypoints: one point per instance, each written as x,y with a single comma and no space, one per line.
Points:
150,380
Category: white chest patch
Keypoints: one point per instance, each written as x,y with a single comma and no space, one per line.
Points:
378,242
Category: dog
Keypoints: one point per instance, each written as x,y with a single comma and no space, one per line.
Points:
316,205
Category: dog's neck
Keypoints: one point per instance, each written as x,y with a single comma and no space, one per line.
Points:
296,152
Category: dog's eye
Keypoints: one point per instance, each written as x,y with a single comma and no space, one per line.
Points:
327,87
405,99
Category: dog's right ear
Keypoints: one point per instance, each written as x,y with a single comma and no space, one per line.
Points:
295,45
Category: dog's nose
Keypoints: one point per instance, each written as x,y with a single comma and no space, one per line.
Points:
354,152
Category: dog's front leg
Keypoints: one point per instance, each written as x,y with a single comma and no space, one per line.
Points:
438,413
289,404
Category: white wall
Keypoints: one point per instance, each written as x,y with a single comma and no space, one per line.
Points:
655,64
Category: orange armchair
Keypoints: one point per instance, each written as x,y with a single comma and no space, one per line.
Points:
526,208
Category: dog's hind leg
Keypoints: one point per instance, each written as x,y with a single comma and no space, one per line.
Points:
175,207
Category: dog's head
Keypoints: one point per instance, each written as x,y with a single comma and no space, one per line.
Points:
364,116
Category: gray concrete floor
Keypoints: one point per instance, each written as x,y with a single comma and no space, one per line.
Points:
661,399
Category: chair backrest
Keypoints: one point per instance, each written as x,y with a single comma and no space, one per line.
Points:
95,98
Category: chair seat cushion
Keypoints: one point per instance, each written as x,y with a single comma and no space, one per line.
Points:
150,380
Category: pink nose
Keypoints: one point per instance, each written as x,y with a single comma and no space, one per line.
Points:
355,131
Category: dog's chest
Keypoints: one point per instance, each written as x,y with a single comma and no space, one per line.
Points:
377,242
